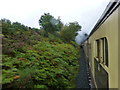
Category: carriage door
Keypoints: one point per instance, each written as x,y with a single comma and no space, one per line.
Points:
101,63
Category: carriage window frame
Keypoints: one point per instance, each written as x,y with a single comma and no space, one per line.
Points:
102,51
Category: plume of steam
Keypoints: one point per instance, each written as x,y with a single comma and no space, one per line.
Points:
82,35
54,21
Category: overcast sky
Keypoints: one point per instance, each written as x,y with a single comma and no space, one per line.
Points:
28,12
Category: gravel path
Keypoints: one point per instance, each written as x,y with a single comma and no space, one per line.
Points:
82,80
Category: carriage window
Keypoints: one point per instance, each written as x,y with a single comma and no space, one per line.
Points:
102,50
98,49
105,51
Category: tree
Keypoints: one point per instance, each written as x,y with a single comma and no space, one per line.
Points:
19,26
6,26
10,28
68,33
49,23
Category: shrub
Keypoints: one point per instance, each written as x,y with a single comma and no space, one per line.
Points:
45,65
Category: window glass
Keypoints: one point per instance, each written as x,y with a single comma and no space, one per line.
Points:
98,49
106,52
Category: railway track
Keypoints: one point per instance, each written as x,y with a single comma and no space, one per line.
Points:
83,79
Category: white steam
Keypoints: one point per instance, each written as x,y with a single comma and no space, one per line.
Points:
81,37
54,21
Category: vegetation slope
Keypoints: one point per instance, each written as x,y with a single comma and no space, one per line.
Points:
35,58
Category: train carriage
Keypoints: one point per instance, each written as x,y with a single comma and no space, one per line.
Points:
101,48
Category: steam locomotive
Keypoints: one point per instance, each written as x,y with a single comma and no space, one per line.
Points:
101,48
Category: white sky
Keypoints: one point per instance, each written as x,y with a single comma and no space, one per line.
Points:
28,12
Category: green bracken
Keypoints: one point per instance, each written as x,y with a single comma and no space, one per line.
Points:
35,61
